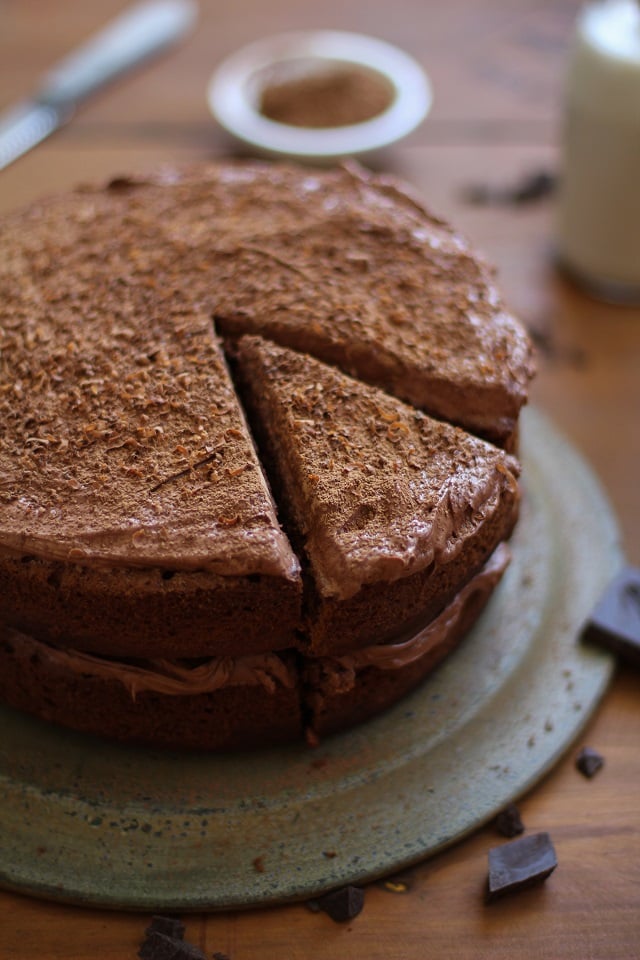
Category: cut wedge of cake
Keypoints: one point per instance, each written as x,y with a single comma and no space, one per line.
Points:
395,511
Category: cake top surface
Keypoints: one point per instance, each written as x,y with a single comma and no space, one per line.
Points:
121,438
341,263
378,489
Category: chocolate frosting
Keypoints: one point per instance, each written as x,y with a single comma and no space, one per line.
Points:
170,677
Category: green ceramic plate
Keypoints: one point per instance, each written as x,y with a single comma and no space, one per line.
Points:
95,823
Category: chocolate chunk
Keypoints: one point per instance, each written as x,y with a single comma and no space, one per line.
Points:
508,821
344,904
536,185
170,926
159,946
589,761
615,621
519,864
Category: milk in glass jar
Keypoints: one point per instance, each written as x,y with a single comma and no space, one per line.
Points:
598,230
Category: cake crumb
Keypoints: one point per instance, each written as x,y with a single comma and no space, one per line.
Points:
589,761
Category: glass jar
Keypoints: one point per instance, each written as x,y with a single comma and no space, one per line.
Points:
598,228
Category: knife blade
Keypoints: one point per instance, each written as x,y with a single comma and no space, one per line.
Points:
134,36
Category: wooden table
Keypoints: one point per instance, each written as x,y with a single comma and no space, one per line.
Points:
497,70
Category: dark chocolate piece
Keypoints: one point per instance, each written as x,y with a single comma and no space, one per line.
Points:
519,864
344,904
615,621
159,946
536,185
170,926
589,761
509,822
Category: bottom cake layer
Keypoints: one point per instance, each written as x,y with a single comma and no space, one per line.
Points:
230,704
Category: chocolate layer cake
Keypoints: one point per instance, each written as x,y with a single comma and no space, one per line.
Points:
147,588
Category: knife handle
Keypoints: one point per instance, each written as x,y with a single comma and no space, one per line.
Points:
135,35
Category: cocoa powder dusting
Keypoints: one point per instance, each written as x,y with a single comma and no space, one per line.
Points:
332,97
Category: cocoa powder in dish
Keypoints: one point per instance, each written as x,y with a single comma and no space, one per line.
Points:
333,96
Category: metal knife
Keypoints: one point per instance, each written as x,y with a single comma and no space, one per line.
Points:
135,35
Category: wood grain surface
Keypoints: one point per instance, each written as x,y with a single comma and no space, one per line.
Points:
497,69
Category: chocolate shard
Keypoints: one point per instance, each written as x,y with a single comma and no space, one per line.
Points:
589,761
536,185
508,822
519,864
342,905
615,621
160,946
170,926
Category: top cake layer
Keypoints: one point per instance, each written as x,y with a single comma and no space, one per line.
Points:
121,437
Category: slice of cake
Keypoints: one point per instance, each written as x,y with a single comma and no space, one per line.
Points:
395,511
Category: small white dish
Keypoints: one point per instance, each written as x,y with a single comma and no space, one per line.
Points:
235,89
